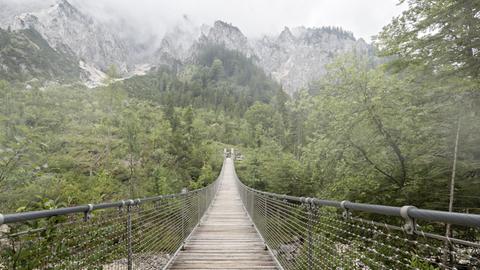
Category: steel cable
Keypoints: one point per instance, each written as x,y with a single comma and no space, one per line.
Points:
304,234
135,234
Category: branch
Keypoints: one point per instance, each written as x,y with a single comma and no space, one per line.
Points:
364,154
393,145
9,164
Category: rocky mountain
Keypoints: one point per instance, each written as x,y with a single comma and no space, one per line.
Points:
177,45
25,55
297,57
294,57
64,26
230,36
9,9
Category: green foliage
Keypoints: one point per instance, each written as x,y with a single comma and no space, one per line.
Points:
85,146
439,34
26,256
418,264
217,70
222,80
368,136
25,55
264,121
206,177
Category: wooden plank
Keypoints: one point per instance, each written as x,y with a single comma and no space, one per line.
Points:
225,238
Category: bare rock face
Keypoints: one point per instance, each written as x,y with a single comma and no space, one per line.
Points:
295,58
177,45
230,36
64,26
182,43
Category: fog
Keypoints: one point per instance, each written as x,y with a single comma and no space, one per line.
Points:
10,8
364,18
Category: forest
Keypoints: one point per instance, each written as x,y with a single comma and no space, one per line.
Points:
366,132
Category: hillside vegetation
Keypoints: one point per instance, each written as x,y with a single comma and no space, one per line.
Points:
25,55
148,135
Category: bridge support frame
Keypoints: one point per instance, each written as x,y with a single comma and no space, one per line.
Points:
312,213
129,238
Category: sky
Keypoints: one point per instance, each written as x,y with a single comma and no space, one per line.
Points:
255,18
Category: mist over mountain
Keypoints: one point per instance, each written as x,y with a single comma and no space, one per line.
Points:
293,57
9,9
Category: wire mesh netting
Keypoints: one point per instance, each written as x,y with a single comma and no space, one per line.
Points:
304,235
141,234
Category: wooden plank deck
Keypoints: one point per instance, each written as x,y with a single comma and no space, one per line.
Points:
225,238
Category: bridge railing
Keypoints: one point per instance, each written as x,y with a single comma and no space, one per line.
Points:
130,234
310,233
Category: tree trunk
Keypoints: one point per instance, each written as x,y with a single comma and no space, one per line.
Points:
448,247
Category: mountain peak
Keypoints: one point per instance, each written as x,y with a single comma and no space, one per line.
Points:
66,8
220,23
227,27
230,36
222,30
286,35
64,2
316,34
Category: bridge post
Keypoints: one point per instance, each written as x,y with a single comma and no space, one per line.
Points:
183,214
310,227
207,198
252,206
265,220
129,236
199,205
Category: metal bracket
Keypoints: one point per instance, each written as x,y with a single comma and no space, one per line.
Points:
310,204
410,225
346,213
307,202
137,203
304,204
88,213
121,207
302,199
284,198
130,202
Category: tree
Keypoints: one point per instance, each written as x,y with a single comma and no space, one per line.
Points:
130,132
443,35
112,96
263,120
8,107
216,70
437,43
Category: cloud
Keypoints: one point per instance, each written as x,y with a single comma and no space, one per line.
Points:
254,17
364,18
10,8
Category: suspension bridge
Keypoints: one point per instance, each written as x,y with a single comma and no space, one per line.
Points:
228,225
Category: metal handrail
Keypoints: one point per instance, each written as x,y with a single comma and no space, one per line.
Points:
32,215
311,233
411,212
129,234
